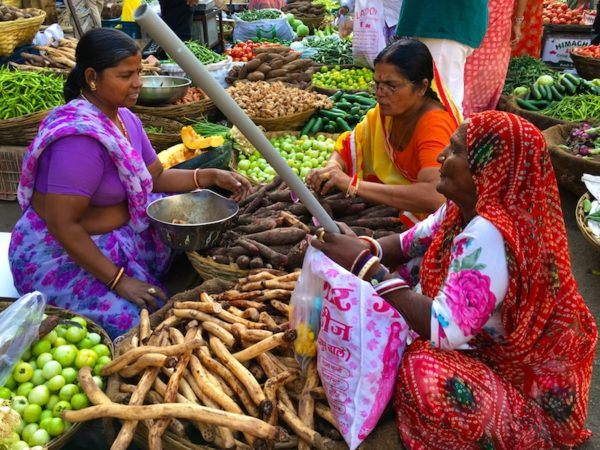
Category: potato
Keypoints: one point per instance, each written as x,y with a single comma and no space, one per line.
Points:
264,68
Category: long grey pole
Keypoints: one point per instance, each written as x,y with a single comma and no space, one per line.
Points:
168,40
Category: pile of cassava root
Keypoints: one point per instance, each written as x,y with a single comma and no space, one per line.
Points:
217,370
271,230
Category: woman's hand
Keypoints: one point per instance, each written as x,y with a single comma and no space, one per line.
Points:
341,248
516,34
140,293
239,186
322,181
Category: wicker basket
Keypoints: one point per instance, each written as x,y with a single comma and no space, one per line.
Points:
539,120
582,223
11,160
27,68
171,134
60,441
21,130
13,3
208,269
588,68
293,122
20,31
187,113
312,22
568,168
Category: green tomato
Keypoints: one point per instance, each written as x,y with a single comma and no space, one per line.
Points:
75,334
80,320
22,372
101,349
31,413
56,383
68,391
25,388
69,374
33,364
40,347
60,330
18,403
10,382
99,382
20,427
85,343
5,393
79,401
65,355
56,427
59,341
38,377
52,401
28,431
244,164
304,172
21,445
43,359
39,437
39,395
299,156
60,407
51,337
45,422
46,413
51,369
86,358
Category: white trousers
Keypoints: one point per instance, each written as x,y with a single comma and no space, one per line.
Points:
450,58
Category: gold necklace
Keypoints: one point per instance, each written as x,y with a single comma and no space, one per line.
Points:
121,125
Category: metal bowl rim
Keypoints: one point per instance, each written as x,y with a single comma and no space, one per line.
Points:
187,81
237,210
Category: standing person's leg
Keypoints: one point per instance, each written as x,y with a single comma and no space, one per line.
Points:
178,16
450,58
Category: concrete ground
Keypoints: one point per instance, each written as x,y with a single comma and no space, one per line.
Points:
584,259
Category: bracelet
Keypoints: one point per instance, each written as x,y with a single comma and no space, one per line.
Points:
375,246
353,186
196,179
117,278
378,278
359,261
370,263
387,286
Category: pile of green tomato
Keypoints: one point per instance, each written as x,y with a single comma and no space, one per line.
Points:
359,79
301,153
44,382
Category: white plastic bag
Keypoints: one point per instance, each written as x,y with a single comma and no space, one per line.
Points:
19,325
368,34
263,29
359,345
220,70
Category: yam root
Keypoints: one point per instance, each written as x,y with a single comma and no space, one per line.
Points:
209,308
144,326
310,436
220,332
272,385
265,345
148,360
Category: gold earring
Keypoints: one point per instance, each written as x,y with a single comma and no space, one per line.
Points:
93,86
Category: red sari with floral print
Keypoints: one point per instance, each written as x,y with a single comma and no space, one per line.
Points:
532,29
531,390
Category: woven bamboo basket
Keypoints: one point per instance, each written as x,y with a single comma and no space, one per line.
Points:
582,223
20,31
60,441
171,131
568,168
187,113
292,122
21,130
539,120
588,68
312,22
13,3
27,68
11,160
208,268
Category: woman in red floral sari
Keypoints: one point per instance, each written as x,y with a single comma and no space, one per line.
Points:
506,347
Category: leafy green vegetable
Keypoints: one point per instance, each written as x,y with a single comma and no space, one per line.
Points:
524,71
251,15
332,49
205,128
204,54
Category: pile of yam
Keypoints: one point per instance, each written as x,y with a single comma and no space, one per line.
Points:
10,13
304,8
216,371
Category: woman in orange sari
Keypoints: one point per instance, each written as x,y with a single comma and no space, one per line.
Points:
530,42
391,156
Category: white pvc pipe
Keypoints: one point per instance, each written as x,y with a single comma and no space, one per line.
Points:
168,40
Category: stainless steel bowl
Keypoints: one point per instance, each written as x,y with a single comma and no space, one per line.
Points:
206,215
162,89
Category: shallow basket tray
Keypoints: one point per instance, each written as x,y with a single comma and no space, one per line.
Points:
588,68
292,122
568,168
59,442
19,32
582,224
28,68
21,130
186,113
11,160
170,136
208,268
539,120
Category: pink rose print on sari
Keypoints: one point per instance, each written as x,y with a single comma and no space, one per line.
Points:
470,300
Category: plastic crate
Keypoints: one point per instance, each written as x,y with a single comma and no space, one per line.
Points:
130,28
11,159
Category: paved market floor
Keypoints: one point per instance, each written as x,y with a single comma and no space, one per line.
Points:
583,257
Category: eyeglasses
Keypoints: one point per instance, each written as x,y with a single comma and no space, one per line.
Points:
388,88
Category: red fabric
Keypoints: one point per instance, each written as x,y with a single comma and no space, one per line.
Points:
485,69
532,29
551,334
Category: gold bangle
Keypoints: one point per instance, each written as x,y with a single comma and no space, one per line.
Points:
196,179
370,263
117,278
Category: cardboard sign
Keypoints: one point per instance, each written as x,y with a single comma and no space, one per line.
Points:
557,48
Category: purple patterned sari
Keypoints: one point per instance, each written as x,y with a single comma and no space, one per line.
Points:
38,260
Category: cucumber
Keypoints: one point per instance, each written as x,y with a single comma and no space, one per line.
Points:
335,97
343,124
540,104
526,105
318,125
308,125
569,87
555,94
331,114
573,79
535,92
360,99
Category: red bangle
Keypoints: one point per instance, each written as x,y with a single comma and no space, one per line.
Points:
353,186
196,179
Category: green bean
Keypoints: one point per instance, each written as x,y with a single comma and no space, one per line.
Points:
204,54
28,92
576,108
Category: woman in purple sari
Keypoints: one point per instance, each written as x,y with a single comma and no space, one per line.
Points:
84,238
